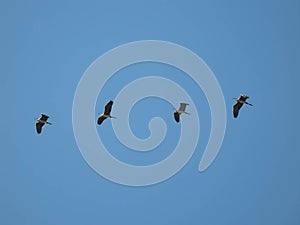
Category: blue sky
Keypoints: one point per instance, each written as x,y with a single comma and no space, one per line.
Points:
251,46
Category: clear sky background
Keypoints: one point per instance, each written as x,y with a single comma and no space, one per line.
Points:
251,46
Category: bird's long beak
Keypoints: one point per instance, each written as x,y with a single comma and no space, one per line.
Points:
49,123
187,113
113,117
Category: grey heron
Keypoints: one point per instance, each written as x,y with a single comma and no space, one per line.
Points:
180,111
240,102
41,122
106,113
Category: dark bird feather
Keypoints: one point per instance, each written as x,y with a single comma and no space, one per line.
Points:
101,119
108,107
176,117
236,109
39,126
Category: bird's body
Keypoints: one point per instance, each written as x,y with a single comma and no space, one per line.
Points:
106,113
41,122
240,102
180,111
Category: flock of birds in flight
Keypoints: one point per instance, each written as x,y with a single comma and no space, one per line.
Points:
107,109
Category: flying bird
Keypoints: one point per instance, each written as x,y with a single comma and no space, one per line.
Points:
41,122
240,102
106,113
180,111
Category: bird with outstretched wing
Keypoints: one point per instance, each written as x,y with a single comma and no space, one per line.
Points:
106,114
41,122
240,102
180,111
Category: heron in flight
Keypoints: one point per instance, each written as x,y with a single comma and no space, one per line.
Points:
180,111
240,102
106,113
41,122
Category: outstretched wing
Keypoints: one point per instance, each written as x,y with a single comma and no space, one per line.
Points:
44,117
38,127
176,117
236,109
244,98
182,106
108,108
101,119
